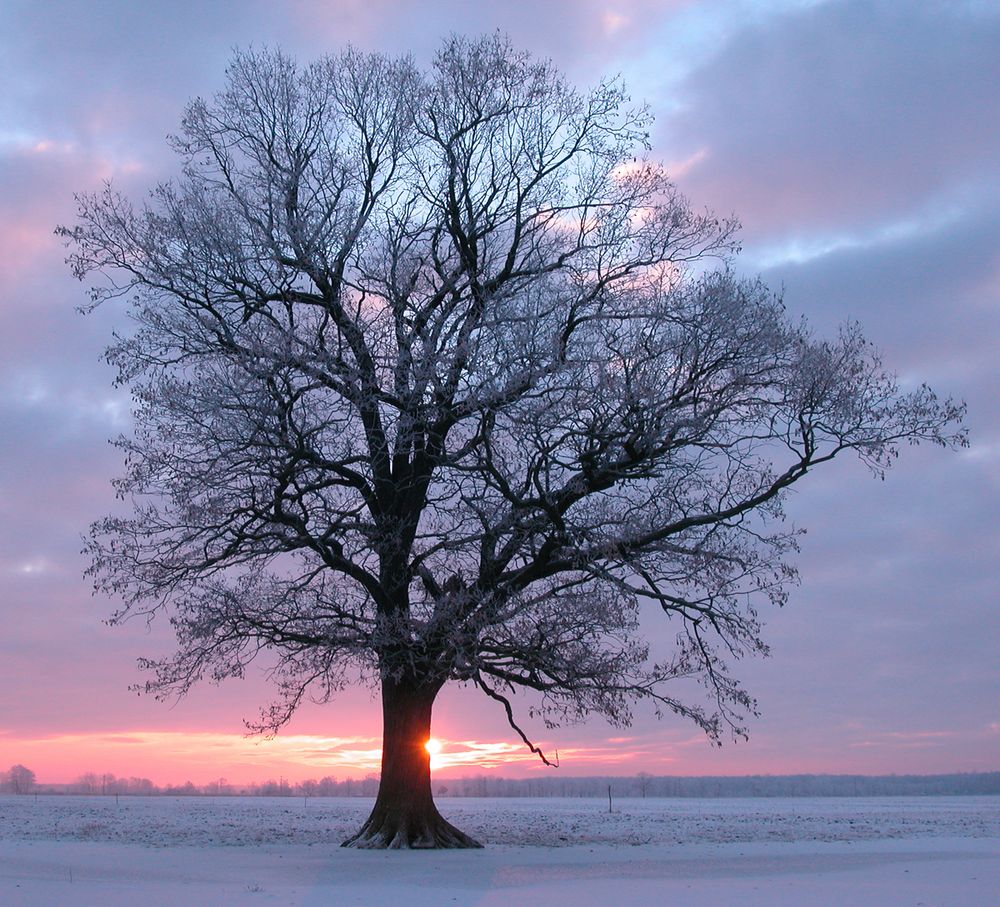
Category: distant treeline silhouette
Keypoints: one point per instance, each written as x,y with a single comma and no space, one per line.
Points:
640,785
644,785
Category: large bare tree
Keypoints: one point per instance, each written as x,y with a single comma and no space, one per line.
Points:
433,383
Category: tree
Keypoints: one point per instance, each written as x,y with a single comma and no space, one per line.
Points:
432,383
643,779
88,783
20,779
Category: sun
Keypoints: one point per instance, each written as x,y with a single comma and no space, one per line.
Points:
433,746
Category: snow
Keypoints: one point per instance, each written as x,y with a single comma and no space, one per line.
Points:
94,852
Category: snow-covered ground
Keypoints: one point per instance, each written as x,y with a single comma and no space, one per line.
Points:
94,852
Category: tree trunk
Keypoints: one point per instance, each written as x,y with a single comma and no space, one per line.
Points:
404,814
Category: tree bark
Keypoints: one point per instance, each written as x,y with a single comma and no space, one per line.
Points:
404,814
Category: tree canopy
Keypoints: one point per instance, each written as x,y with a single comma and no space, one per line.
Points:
435,380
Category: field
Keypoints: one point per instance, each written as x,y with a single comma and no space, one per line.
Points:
94,852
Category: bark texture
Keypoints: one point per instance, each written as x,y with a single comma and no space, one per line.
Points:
404,815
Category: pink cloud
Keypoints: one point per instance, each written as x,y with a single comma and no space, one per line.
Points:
576,33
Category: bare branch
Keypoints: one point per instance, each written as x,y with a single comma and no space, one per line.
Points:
433,383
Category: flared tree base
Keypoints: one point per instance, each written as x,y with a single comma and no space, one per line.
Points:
399,829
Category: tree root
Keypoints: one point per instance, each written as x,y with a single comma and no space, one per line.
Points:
386,831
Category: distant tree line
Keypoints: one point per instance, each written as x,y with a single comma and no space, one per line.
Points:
646,785
21,780
107,784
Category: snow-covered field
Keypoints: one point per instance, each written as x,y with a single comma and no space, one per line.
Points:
94,852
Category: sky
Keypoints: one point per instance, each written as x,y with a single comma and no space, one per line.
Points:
858,142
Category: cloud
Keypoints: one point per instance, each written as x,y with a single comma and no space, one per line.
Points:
838,114
581,35
929,300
